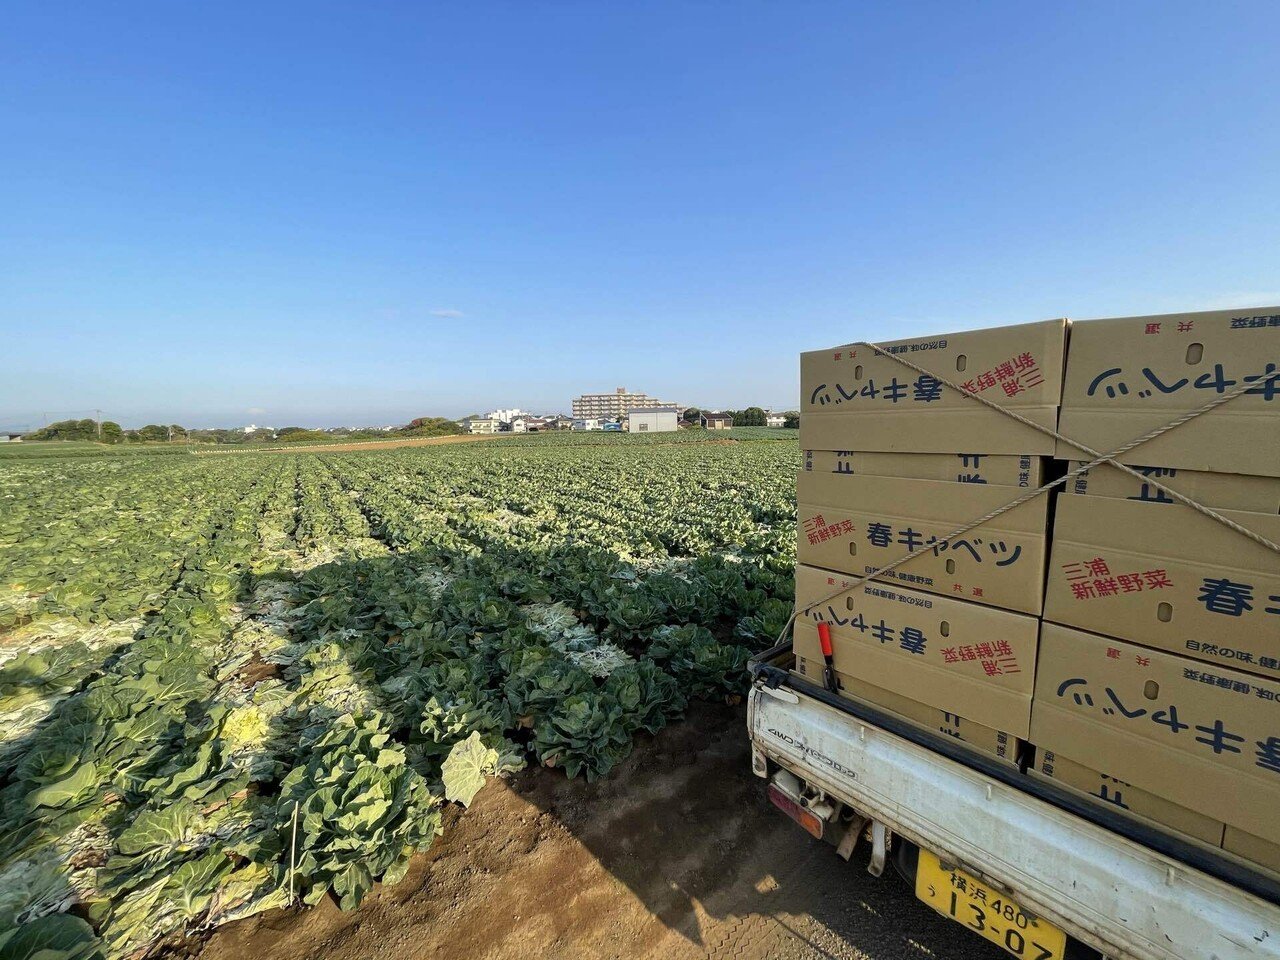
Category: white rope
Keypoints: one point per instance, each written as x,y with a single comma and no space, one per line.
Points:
1120,451
1099,458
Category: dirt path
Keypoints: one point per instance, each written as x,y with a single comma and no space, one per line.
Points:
358,445
677,854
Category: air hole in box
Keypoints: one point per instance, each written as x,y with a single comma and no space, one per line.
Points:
951,566
1151,690
1164,612
848,603
857,372
1195,352
944,628
961,362
853,549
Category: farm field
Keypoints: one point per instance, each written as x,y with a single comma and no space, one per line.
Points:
230,684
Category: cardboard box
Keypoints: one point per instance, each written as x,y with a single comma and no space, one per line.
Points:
1205,740
1009,471
1113,792
991,743
1166,576
1254,849
962,658
854,399
1222,491
857,524
1128,376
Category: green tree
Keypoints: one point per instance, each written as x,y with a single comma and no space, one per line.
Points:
792,421
111,432
152,432
431,427
750,417
67,430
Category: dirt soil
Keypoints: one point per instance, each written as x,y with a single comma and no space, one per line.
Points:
676,854
361,445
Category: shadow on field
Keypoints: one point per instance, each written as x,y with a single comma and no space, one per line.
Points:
675,853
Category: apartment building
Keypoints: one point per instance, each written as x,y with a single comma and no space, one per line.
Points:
613,405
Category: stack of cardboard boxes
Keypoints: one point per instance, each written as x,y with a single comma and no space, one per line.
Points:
1160,652
1131,640
894,461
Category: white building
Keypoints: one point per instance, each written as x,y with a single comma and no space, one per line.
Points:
507,416
482,425
653,420
586,423
775,420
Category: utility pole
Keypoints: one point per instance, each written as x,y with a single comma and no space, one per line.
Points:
99,413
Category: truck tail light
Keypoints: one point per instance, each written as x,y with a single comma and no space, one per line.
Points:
791,807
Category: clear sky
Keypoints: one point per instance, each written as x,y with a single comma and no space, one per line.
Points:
316,214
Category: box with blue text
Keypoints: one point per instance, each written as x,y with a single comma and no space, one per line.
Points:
1000,470
1201,736
1167,576
858,524
1113,793
1126,377
1228,491
993,743
963,658
852,398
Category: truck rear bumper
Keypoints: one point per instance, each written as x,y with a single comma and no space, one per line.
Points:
1119,896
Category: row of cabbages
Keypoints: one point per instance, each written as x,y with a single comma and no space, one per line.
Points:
268,729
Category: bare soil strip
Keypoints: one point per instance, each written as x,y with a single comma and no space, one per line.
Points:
362,445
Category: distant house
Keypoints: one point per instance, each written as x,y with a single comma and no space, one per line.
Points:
586,423
560,422
775,420
482,425
519,425
10,438
685,424
653,420
717,421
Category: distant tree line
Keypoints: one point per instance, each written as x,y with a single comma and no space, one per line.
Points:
108,431
750,417
418,427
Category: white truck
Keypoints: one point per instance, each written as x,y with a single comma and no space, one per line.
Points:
1036,870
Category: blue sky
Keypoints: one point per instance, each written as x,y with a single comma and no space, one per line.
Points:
355,213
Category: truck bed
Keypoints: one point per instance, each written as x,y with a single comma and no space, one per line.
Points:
1113,883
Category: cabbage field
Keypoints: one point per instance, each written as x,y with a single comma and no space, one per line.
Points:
232,683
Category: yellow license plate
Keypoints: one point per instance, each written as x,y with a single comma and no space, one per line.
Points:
986,911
